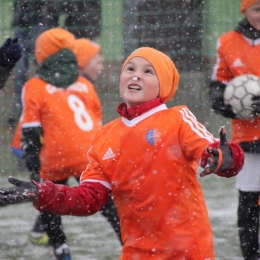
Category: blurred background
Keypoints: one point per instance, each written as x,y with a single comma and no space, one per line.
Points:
186,30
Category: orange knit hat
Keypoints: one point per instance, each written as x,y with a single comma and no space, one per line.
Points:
85,50
52,41
165,69
245,4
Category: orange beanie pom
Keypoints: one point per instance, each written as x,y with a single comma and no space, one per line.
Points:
52,41
165,69
245,4
85,50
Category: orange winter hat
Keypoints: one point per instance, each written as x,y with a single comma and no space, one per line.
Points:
85,50
245,4
165,69
52,41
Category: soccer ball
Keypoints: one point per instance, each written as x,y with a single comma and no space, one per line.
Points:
239,93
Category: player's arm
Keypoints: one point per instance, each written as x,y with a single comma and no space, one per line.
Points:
31,140
220,76
4,74
217,156
83,200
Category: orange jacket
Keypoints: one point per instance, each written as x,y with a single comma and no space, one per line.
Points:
67,116
150,164
237,55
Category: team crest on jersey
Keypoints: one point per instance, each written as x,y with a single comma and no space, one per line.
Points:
153,136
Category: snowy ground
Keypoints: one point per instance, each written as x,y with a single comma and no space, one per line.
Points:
92,238
222,200
89,238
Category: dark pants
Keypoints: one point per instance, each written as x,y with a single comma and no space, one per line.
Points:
52,223
248,224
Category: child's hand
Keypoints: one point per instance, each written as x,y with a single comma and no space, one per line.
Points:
221,157
23,191
10,53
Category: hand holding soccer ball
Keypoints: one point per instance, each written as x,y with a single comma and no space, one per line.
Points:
243,94
256,105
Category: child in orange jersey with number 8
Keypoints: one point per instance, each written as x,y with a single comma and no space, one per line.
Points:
61,109
148,160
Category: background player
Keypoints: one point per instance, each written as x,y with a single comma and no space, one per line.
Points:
238,53
62,111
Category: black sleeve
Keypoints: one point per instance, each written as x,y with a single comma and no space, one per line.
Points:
33,165
251,147
4,74
31,140
216,95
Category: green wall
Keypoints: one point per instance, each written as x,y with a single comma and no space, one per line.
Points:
111,39
218,17
5,19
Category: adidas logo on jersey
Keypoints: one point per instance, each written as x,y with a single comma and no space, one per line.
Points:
237,63
109,154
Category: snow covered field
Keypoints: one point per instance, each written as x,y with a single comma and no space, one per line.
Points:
222,201
92,238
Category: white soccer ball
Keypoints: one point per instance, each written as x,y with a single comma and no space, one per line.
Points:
239,93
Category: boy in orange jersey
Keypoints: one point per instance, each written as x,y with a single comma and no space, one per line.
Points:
238,53
148,160
62,109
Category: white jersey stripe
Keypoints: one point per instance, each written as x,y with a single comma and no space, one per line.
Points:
199,126
104,183
215,68
194,129
31,124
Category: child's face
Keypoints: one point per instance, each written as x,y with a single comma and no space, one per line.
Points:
94,68
138,82
252,14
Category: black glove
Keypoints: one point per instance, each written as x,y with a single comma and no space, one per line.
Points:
10,53
256,105
24,191
216,95
221,157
